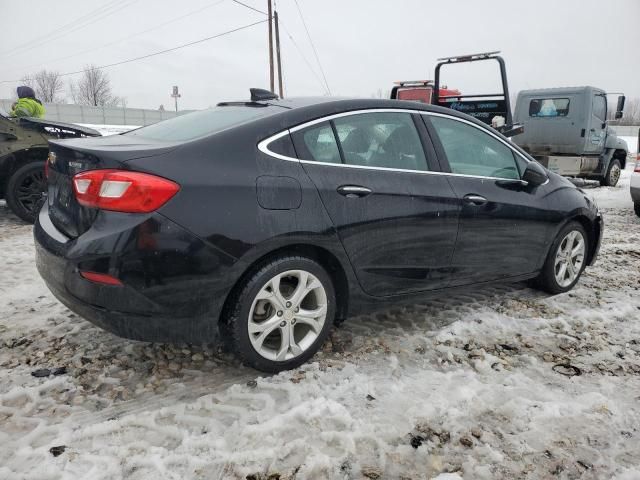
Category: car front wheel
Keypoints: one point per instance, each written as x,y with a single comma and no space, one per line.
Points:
566,260
282,315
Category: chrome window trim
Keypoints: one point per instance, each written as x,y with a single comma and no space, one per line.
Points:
263,145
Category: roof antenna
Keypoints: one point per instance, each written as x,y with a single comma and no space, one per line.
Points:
259,94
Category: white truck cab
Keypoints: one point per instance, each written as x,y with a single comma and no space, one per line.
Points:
566,130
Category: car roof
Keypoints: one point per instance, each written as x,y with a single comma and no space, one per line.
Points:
559,91
297,110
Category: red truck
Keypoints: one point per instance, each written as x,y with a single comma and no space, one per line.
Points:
420,91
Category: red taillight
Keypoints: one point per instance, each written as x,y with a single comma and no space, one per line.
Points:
123,191
637,169
101,278
46,169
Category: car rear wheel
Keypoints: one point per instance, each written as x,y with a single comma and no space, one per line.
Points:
613,174
282,315
25,191
636,208
566,260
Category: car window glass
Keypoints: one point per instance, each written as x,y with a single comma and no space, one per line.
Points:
283,146
317,143
470,151
549,107
201,123
600,107
381,139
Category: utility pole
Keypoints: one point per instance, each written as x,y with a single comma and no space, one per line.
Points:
278,55
176,95
271,82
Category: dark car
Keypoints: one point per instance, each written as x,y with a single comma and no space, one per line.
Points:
266,221
23,152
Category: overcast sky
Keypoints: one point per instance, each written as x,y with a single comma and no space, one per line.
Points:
363,45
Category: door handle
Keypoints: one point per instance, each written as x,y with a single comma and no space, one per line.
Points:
354,191
476,200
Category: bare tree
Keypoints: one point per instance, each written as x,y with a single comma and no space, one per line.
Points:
93,88
630,115
47,85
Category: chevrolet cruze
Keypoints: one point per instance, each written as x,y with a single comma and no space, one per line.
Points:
264,222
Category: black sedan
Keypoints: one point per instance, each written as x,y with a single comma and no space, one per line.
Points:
266,221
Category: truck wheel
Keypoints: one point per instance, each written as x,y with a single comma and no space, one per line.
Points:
282,314
566,260
25,191
613,174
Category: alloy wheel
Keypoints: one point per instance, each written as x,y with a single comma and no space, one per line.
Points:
287,315
31,190
569,258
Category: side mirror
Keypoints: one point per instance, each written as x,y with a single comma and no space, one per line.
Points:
535,174
620,106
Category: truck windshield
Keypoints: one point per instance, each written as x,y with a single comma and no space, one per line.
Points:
549,107
199,124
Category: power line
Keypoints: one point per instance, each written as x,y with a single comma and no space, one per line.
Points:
315,52
295,44
249,7
157,53
121,39
302,55
66,31
62,27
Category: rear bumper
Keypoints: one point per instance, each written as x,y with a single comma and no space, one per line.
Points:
172,291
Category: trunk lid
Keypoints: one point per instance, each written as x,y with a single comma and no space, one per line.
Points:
70,157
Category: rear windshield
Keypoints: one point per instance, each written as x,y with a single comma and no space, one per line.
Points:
202,123
549,107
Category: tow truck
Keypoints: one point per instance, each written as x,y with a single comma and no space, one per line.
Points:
494,109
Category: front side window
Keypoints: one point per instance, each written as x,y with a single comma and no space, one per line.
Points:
381,139
549,107
470,151
600,107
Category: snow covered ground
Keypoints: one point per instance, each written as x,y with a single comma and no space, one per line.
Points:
506,382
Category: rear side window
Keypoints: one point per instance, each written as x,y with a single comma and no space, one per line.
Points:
202,123
549,107
317,143
470,151
381,139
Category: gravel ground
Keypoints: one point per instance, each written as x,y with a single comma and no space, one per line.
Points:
506,382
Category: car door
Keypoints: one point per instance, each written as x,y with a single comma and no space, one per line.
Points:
503,223
596,133
396,221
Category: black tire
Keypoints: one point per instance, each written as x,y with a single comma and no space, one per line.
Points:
25,190
636,208
547,279
239,309
613,174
